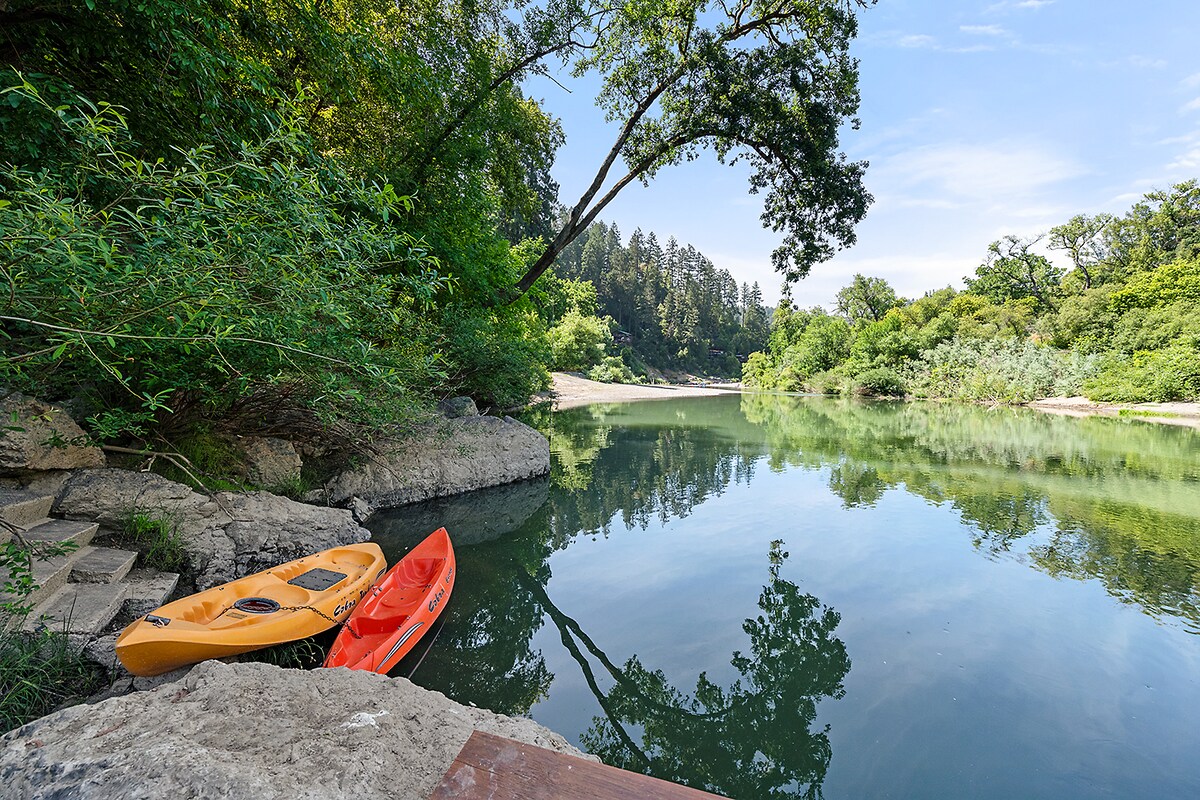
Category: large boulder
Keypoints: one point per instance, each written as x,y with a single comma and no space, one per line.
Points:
444,458
267,461
37,436
253,731
227,535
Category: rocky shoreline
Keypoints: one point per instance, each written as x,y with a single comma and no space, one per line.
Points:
243,730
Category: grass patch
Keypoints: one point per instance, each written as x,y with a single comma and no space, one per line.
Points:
40,672
303,654
1137,412
157,540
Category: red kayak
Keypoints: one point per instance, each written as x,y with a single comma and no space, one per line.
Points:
398,609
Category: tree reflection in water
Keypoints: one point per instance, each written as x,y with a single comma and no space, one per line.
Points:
752,739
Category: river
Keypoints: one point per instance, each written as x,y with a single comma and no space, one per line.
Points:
769,596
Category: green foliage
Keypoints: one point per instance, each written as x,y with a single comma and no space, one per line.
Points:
878,382
1149,376
578,342
768,85
1174,282
178,291
1000,371
866,299
1012,271
157,540
496,356
40,672
16,564
612,369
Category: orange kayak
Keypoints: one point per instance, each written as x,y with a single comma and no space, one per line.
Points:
398,610
294,600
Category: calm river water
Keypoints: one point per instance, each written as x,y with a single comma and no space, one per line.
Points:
769,596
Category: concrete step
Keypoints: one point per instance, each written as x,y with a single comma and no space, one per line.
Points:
148,589
22,508
49,575
79,609
62,531
102,565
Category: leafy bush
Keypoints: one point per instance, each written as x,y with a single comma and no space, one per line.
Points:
878,382
496,356
1151,376
612,369
172,292
578,342
1000,370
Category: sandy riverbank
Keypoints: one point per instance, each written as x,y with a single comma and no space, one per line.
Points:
1185,414
569,391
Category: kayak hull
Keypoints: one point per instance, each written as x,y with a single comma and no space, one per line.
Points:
398,610
291,601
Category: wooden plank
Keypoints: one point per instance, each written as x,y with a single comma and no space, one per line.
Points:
501,769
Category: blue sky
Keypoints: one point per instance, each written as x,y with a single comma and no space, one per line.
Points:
980,118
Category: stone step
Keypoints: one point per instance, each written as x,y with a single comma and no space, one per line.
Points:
49,575
22,508
79,609
148,589
102,565
63,531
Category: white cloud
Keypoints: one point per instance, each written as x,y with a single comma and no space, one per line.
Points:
988,173
1034,3
917,40
1194,105
1191,81
1145,62
983,30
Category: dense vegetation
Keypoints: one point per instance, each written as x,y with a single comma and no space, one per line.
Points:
671,307
1121,324
300,218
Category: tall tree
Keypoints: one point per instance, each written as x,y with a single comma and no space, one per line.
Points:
1011,270
866,298
770,83
1082,239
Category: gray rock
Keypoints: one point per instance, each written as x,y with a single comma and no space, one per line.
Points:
269,462
37,436
226,536
455,407
445,458
253,731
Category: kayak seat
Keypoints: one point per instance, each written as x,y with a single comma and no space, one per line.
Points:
371,626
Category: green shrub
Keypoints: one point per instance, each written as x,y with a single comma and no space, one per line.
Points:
266,271
878,382
612,369
1000,370
498,357
1149,376
578,342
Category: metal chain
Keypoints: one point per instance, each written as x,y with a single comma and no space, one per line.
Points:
316,611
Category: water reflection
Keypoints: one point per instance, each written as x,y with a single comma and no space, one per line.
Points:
913,515
1121,499
754,738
